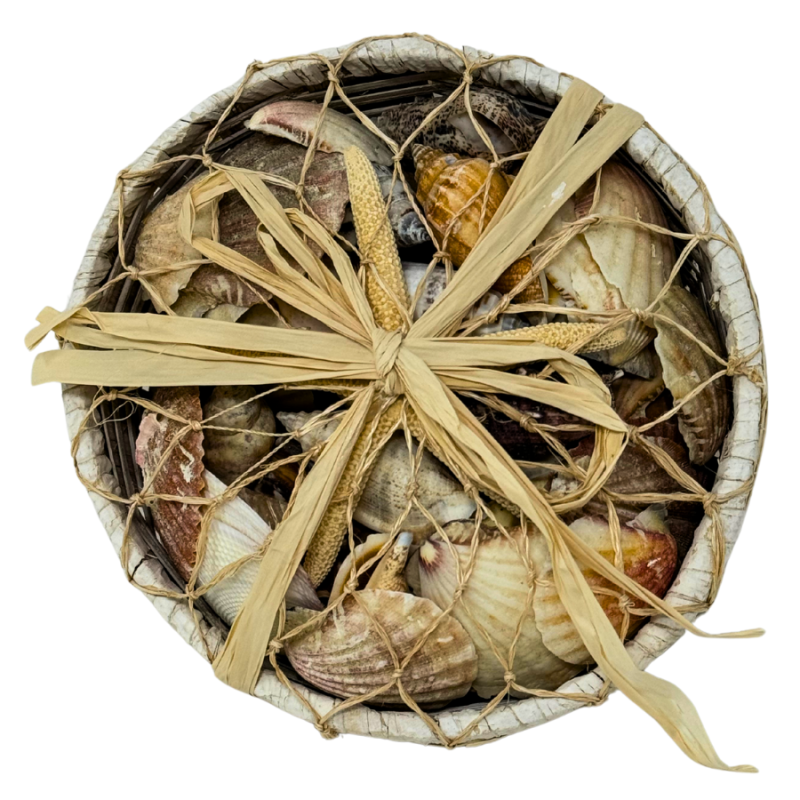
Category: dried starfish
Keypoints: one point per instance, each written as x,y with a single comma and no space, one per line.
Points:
377,246
564,335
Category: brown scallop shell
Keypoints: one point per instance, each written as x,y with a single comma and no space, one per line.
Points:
178,524
650,558
704,419
344,655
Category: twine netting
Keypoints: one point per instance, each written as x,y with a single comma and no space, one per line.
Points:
384,409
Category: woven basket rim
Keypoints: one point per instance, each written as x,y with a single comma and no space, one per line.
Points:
736,306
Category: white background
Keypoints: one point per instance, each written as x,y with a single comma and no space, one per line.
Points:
100,697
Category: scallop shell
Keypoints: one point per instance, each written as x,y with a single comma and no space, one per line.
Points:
506,121
345,655
704,419
650,557
230,454
384,499
613,265
495,601
181,475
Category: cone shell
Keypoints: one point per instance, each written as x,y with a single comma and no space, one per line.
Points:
650,558
346,656
496,599
704,419
230,454
613,265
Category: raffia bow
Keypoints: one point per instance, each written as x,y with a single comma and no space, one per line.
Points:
425,365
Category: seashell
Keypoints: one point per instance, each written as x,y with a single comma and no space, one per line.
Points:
270,507
159,245
613,265
458,205
520,442
384,499
297,120
703,420
235,530
496,601
357,557
409,230
389,574
181,474
230,454
216,293
344,655
632,394
649,556
508,124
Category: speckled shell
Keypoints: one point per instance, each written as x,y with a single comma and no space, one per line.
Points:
505,120
613,265
230,454
496,597
181,475
704,419
345,656
650,558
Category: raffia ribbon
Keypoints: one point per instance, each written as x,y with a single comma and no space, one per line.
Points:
425,365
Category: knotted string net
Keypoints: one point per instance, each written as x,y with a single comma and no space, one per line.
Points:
119,411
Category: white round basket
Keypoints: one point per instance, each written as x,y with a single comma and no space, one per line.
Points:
731,294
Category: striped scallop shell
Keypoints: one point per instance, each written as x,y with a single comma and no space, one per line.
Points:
650,558
345,655
613,265
496,599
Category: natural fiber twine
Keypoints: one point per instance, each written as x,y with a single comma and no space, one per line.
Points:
423,367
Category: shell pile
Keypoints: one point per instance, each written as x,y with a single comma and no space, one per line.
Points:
415,588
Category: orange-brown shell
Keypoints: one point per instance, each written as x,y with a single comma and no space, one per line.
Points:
454,195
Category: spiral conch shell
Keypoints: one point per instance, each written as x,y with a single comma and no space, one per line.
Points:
613,265
650,556
385,497
703,420
230,454
459,197
345,655
496,600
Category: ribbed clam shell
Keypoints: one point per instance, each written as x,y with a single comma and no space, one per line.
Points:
704,419
613,265
345,655
237,531
496,598
650,558
507,122
230,454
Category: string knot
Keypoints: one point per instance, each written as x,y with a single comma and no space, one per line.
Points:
386,347
111,395
207,161
196,425
133,273
441,255
509,677
643,315
737,366
333,77
397,674
275,646
327,731
711,504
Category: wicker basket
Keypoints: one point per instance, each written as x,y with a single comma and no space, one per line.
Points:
377,74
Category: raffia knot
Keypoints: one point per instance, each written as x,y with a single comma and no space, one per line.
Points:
386,347
711,504
333,77
327,731
275,646
397,674
134,273
195,425
111,395
738,366
441,255
528,422
509,677
207,161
